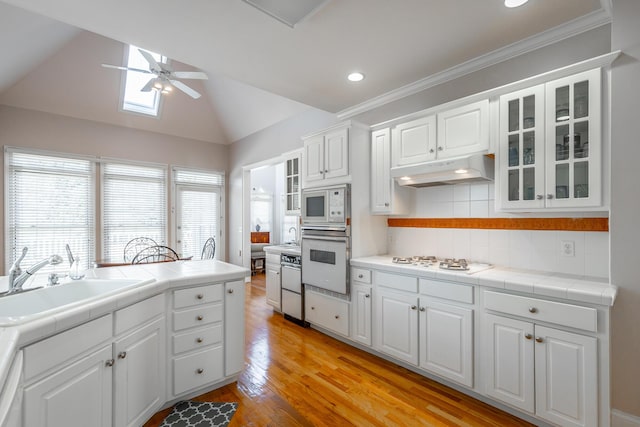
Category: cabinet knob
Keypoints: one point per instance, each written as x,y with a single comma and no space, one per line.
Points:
313,308
549,196
230,291
539,196
199,317
199,340
422,309
386,205
199,296
539,339
326,171
413,307
528,336
199,370
109,363
337,316
440,148
367,295
533,310
432,151
122,355
360,276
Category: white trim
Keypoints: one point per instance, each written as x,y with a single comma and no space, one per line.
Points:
37,151
572,28
622,419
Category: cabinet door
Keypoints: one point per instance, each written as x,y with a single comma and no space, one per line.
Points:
521,156
446,341
509,361
77,395
397,325
573,140
233,327
328,312
274,290
314,158
381,183
463,130
414,142
566,377
336,155
292,183
140,369
361,316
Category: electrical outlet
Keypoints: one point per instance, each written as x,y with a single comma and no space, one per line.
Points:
568,248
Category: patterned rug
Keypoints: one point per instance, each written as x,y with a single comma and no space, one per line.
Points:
200,414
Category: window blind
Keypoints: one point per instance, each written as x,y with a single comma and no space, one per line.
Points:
50,204
134,204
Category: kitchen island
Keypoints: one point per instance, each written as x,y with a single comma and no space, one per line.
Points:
116,358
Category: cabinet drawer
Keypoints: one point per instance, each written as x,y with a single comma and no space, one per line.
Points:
196,370
197,317
447,290
328,312
138,313
46,354
273,259
361,275
197,339
197,296
570,315
396,281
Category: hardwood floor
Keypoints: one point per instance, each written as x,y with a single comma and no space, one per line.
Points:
297,376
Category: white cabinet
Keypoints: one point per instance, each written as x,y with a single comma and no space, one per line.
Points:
414,141
396,325
361,305
273,282
327,312
463,130
234,337
326,155
292,184
386,197
539,369
549,153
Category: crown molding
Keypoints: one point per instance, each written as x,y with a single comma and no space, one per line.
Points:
572,28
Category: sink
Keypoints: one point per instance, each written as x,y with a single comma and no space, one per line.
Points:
23,306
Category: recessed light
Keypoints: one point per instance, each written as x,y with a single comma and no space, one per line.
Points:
514,3
461,171
405,178
355,77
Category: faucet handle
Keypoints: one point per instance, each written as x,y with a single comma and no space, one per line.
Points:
15,267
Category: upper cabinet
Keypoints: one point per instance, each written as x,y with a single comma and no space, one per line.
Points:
386,197
292,184
414,141
550,145
326,156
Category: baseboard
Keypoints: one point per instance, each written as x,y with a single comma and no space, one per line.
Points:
622,419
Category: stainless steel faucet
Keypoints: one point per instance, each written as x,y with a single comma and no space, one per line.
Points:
295,233
17,277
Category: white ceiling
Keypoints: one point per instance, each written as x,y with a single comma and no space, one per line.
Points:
263,71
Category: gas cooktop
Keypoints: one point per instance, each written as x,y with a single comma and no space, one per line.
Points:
432,262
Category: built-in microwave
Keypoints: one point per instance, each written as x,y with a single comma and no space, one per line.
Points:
326,206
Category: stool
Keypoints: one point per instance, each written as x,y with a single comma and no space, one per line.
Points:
257,264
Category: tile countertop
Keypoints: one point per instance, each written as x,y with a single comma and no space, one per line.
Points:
154,279
574,288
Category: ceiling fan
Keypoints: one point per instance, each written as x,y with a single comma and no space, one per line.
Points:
163,76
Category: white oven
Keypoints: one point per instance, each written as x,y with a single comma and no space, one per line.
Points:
326,207
325,259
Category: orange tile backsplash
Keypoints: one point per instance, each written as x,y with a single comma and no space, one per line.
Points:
564,224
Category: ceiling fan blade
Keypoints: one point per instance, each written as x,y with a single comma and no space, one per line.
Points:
190,75
118,67
149,85
186,89
153,64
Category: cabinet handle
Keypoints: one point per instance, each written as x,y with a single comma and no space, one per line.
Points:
200,296
198,340
122,355
413,307
199,317
230,291
367,295
539,339
360,276
422,309
199,370
539,196
528,336
109,363
533,310
440,148
337,316
549,196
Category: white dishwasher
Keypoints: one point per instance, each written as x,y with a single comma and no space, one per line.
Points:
292,289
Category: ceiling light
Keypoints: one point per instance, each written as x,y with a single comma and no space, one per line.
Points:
355,77
514,3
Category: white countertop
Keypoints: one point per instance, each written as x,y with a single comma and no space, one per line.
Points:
574,288
287,249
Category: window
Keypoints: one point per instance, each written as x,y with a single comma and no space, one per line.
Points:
134,204
261,211
133,99
199,207
49,204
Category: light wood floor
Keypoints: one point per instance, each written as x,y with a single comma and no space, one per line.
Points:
297,376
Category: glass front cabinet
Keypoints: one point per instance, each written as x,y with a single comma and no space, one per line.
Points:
550,138
292,185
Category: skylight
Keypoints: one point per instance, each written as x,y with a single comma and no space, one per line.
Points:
132,98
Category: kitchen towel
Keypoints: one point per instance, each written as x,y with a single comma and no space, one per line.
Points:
200,414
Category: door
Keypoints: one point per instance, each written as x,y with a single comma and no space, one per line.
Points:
234,336
397,325
361,320
314,158
198,217
77,395
336,156
463,130
509,361
139,380
414,142
566,377
325,262
380,176
273,291
521,150
446,341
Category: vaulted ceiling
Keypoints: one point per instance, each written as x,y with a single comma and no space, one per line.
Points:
261,71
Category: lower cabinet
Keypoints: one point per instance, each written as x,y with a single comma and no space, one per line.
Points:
542,370
361,314
327,312
273,283
234,336
396,325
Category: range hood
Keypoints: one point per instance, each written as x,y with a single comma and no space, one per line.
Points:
476,167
